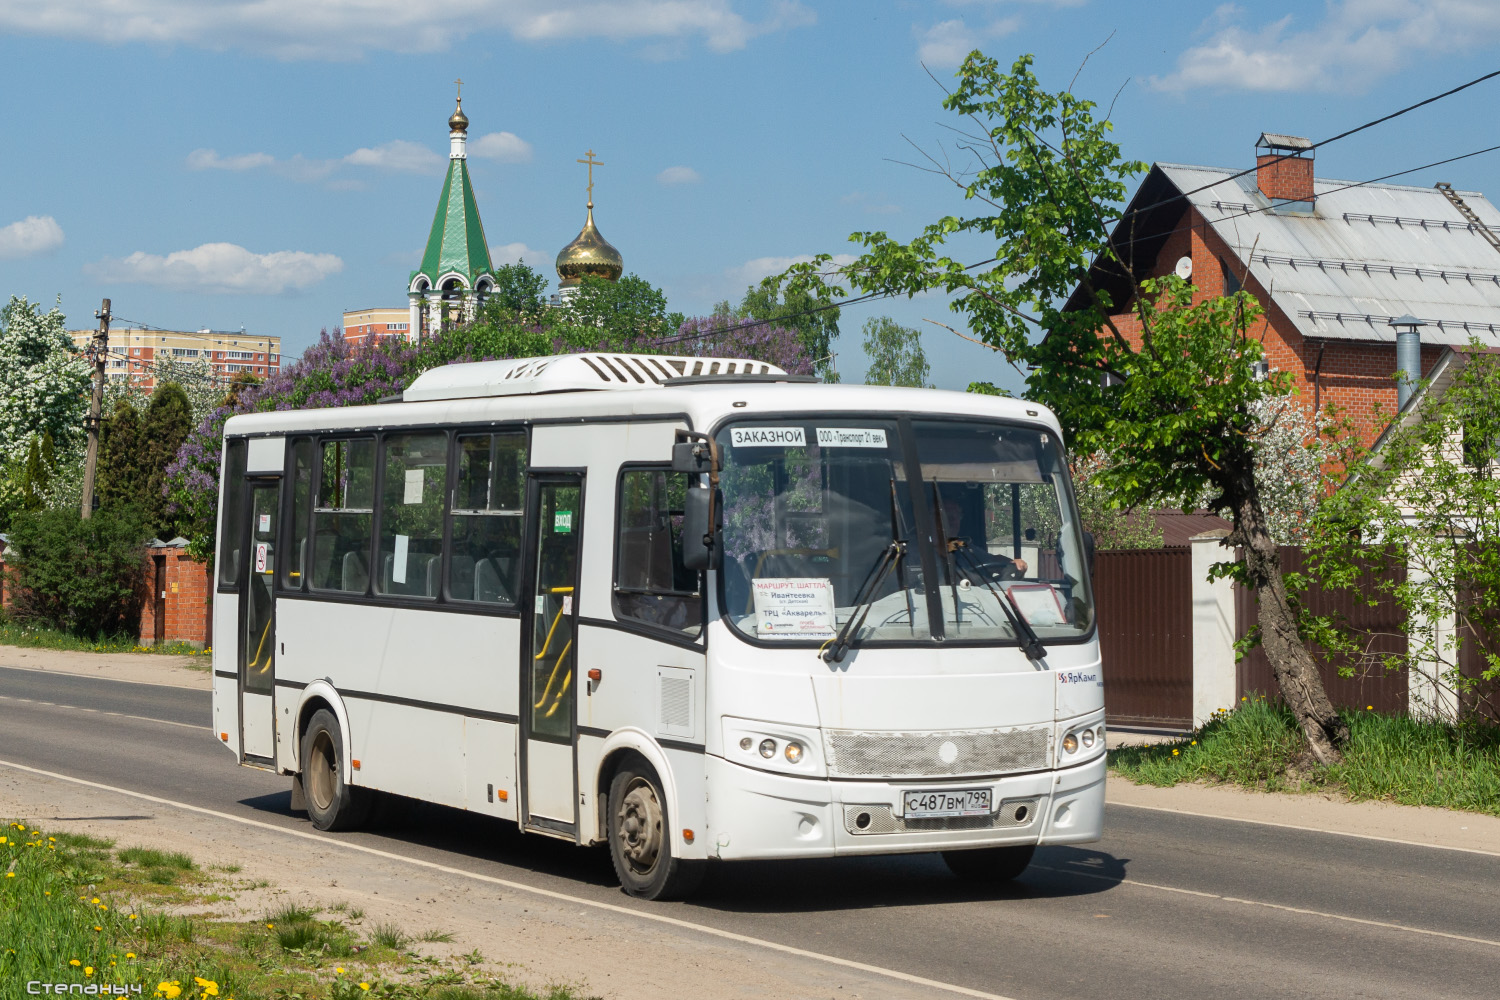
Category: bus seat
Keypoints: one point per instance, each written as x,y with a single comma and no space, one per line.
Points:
356,577
488,585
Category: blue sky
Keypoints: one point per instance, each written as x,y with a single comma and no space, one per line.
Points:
269,164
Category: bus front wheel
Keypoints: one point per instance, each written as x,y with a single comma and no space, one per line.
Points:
640,841
989,865
332,804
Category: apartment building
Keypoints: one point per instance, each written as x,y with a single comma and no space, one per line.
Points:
135,353
371,326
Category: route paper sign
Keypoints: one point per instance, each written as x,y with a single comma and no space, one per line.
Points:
851,437
398,558
413,494
797,607
265,523
1038,603
767,437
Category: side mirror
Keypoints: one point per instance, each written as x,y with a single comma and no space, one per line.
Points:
692,457
700,548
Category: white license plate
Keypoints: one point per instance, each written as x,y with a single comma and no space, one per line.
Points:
946,802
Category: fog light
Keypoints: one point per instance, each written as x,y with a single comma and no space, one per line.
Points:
793,752
768,748
1070,743
1088,738
1101,734
746,743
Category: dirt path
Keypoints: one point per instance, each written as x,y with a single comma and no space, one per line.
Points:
139,668
525,937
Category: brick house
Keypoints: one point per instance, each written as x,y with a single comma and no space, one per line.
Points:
1331,263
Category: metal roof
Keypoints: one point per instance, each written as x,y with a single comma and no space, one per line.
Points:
571,373
1363,255
1278,140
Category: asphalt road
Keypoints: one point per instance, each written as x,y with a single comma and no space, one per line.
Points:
1166,905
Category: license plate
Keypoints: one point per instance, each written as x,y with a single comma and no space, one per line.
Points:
947,802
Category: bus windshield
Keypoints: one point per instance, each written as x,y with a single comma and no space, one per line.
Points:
978,512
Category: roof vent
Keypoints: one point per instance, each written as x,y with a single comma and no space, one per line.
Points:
573,373
1284,169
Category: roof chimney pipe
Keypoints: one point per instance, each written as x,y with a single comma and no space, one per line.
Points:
1284,169
1408,357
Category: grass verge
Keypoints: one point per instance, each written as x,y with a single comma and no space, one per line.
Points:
76,912
15,633
1390,758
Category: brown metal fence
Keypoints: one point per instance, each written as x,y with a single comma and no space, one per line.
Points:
1145,605
1380,632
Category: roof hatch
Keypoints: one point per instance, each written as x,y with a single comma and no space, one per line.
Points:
573,373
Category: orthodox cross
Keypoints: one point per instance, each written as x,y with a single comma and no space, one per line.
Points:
592,164
460,84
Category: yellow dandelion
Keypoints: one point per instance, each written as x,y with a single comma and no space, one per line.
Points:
364,986
170,990
88,970
1369,708
270,927
53,839
74,961
339,971
132,916
208,986
1194,743
1175,752
95,900
130,954
46,892
10,874
98,928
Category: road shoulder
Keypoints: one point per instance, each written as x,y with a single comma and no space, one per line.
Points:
1422,825
137,668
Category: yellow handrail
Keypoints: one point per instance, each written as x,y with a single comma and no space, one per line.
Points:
553,678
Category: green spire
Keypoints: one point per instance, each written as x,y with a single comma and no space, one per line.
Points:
456,243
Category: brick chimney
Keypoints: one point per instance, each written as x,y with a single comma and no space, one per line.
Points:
1284,168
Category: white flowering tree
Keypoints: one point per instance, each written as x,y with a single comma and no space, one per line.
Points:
43,382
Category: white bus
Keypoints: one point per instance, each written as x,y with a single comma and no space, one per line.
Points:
696,609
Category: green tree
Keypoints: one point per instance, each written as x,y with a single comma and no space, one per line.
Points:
84,577
895,353
519,290
168,421
1428,499
1177,412
613,313
43,383
812,314
123,475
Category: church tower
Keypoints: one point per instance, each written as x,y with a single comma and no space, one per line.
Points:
456,275
590,254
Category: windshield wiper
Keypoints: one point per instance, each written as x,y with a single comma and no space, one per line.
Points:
1031,643
890,556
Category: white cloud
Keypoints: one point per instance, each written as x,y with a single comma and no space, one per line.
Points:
752,271
678,175
945,44
209,159
297,29
507,147
1355,44
33,235
514,253
399,155
222,268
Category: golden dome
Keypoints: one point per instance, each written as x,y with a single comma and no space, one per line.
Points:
589,254
459,122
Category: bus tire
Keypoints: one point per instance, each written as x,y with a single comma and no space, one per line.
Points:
331,803
640,842
989,865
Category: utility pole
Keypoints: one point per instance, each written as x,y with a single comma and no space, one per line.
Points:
100,351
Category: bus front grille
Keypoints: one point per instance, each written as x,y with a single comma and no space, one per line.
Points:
943,753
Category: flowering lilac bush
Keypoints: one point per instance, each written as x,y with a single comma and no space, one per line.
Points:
335,373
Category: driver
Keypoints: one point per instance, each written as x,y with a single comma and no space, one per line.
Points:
994,565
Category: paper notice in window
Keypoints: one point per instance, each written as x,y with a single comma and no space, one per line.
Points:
799,607
413,492
398,558
1038,603
851,437
767,437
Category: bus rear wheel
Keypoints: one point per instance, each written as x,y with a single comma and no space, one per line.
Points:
640,841
332,804
989,865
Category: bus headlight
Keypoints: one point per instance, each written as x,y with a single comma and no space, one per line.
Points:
768,748
1070,743
1088,738
793,752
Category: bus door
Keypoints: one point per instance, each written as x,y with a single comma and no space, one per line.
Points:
257,659
549,654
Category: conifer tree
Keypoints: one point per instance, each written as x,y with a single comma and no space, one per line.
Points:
168,421
122,472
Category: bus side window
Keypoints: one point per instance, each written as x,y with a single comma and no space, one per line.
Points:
413,486
652,586
232,535
489,480
294,565
343,515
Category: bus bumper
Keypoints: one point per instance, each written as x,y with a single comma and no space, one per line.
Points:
758,814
